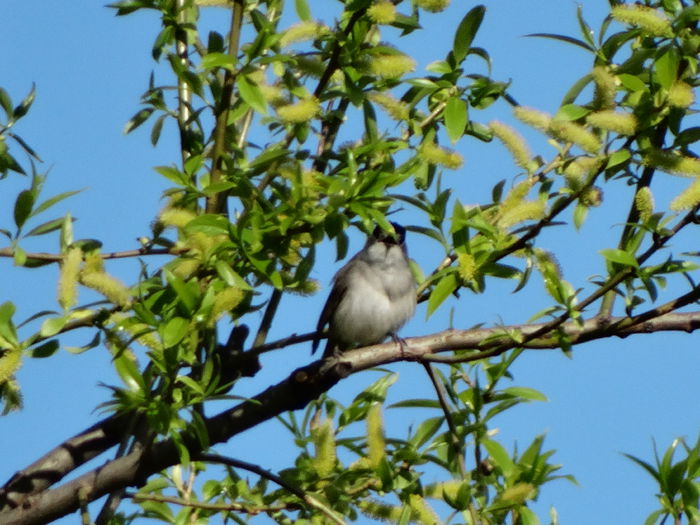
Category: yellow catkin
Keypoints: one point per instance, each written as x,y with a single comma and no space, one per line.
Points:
578,171
176,217
308,30
518,493
225,301
650,21
605,87
444,490
533,117
391,66
566,131
442,156
592,197
396,109
433,6
515,143
324,444
689,198
672,163
524,211
422,512
644,202
375,435
681,95
616,121
466,266
382,12
380,511
10,362
301,111
68,278
112,288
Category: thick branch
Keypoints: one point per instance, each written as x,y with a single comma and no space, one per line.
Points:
301,387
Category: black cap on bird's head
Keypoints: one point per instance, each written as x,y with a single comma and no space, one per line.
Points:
398,237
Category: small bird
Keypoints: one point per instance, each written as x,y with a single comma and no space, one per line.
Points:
373,295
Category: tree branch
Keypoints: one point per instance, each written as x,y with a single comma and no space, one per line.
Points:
301,387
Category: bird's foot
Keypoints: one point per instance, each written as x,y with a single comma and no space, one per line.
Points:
401,342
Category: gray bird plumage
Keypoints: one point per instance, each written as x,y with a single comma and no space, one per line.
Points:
373,295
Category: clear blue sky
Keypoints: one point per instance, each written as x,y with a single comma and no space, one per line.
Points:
90,69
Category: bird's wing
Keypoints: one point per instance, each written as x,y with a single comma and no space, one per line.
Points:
336,295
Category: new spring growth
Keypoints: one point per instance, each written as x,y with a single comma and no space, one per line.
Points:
68,278
650,21
324,444
515,209
382,12
438,155
308,30
421,512
10,362
395,108
391,65
566,131
689,198
644,203
533,117
681,95
433,6
615,121
225,301
466,267
673,163
518,493
301,111
515,143
176,217
376,444
605,87
111,287
381,511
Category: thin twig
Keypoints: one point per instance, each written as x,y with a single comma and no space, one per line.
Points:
305,497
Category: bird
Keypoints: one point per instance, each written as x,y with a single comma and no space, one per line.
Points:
373,295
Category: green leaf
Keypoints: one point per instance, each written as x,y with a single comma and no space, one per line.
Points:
564,38
7,329
209,224
216,60
45,350
526,393
571,112
302,9
52,326
619,256
5,102
527,516
24,106
231,277
157,128
427,429
617,158
95,341
184,292
46,227
54,200
500,456
442,290
466,31
666,67
173,174
139,118
125,366
174,331
251,94
23,207
455,115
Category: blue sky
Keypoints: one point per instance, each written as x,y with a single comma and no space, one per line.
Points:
90,68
